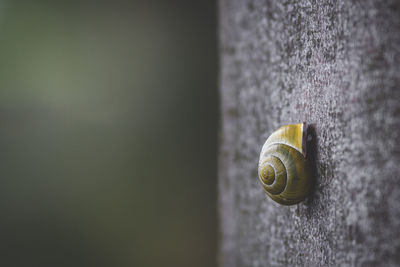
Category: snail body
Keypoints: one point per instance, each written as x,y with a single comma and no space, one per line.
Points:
283,169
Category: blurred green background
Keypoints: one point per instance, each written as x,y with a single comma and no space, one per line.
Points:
108,133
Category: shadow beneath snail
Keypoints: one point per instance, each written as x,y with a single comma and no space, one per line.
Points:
311,156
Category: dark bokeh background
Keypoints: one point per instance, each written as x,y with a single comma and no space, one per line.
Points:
108,132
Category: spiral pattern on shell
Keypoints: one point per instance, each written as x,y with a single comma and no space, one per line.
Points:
283,168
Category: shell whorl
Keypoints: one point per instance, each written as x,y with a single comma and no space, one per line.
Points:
283,169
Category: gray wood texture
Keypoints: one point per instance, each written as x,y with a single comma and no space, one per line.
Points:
333,64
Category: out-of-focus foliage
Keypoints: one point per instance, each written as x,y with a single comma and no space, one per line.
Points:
108,121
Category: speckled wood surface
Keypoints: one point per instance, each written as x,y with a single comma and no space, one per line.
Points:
333,64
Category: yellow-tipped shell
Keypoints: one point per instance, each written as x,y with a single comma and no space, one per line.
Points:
283,169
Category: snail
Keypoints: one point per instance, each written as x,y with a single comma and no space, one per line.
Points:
283,169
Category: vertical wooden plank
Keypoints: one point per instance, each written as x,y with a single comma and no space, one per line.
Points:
334,64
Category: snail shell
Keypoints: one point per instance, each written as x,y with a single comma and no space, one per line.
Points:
283,169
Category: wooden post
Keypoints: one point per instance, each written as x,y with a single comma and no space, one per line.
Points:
336,65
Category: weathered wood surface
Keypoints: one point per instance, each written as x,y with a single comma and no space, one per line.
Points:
335,64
